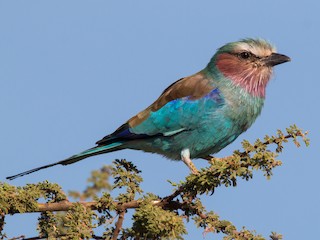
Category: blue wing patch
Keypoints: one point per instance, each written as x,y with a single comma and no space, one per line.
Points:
173,118
180,115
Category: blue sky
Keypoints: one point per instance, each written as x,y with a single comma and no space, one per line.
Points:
73,71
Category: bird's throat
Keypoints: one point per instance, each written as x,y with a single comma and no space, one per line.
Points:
252,78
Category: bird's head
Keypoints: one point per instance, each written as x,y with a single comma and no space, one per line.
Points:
248,64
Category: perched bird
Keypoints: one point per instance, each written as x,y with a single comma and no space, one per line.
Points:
198,115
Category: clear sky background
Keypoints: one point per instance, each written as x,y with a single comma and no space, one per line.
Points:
73,71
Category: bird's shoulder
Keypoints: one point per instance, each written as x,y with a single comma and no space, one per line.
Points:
194,87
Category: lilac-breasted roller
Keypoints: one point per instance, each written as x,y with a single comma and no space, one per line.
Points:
198,115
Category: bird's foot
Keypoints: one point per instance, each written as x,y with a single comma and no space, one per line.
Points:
213,159
185,157
208,158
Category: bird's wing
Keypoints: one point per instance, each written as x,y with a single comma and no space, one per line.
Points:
171,113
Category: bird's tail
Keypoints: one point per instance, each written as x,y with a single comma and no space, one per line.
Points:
75,158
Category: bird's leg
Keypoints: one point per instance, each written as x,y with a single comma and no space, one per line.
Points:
185,157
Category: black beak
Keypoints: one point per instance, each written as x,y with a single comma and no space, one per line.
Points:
275,59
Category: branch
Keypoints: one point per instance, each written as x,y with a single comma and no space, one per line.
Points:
118,225
2,222
93,205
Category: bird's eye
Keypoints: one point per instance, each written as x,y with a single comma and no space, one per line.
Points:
244,55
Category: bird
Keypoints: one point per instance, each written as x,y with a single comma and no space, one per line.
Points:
198,115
